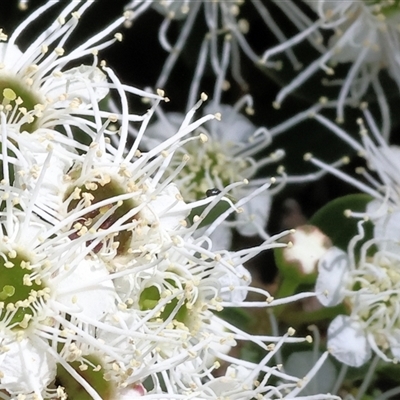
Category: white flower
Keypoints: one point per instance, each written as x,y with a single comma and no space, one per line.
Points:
99,267
222,21
25,367
38,89
379,179
361,33
126,291
369,287
178,293
53,300
245,380
366,281
175,295
217,157
223,39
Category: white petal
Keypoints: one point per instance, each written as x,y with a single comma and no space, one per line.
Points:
221,237
348,342
218,346
80,83
85,297
26,368
13,54
231,282
167,207
392,155
332,273
255,211
161,130
394,341
233,128
386,226
348,50
173,9
235,377
35,152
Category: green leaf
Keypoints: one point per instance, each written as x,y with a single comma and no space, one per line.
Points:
216,211
236,316
332,221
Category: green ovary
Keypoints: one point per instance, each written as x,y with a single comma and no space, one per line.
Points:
213,160
149,299
100,192
16,101
93,376
18,293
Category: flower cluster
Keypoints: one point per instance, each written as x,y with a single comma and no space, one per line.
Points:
108,289
216,160
134,227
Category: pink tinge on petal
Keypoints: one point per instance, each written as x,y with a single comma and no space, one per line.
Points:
131,392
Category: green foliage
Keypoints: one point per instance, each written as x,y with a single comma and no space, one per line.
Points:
331,219
216,211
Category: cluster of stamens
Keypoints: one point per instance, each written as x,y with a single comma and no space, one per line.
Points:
21,290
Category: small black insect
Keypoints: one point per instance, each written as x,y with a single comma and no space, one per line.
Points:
212,192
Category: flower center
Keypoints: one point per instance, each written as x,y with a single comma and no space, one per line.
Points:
384,7
151,297
98,189
377,298
210,166
90,371
20,105
21,290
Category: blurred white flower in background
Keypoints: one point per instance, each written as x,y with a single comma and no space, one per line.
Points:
370,290
365,280
222,21
378,177
362,34
222,153
224,38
